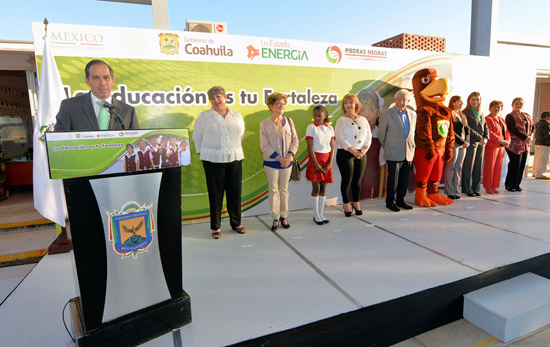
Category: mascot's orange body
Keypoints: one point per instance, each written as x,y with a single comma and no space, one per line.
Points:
434,136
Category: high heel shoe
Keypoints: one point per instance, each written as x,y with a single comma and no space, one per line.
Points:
318,223
275,225
285,225
357,212
347,213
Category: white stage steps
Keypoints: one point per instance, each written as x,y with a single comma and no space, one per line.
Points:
512,308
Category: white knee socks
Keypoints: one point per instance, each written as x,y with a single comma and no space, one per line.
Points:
321,207
316,214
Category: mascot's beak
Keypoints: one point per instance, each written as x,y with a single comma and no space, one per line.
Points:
435,91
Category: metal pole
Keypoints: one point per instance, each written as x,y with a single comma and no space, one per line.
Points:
484,26
160,11
160,14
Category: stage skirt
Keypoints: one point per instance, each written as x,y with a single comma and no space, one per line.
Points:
312,174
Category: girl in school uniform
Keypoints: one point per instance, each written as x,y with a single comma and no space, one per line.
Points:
145,157
185,153
130,159
155,152
320,144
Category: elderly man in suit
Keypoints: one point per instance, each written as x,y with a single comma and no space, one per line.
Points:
396,134
89,112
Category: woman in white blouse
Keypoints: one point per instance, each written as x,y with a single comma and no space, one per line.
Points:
353,139
218,134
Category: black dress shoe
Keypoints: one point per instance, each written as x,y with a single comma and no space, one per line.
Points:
357,212
457,197
452,197
393,207
471,194
477,194
318,223
285,225
326,221
347,214
510,189
404,205
518,189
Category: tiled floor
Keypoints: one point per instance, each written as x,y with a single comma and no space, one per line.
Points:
261,282
11,277
463,334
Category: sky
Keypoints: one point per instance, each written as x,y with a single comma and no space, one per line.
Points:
350,22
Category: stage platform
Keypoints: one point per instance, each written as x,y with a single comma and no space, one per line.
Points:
375,279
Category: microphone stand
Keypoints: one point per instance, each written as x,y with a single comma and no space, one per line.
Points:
113,113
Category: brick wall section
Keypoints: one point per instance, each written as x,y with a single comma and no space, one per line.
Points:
544,97
412,41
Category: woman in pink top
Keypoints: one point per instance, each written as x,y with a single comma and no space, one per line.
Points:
494,149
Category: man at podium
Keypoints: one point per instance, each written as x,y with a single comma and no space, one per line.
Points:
96,110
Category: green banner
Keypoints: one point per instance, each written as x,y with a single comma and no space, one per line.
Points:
91,153
165,75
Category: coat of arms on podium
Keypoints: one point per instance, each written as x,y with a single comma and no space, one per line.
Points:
131,229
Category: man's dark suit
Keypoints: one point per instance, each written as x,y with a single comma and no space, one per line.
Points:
78,114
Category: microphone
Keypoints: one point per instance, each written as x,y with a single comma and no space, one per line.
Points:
107,105
111,108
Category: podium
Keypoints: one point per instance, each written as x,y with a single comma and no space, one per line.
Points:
126,233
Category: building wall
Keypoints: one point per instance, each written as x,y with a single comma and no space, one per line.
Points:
412,41
530,51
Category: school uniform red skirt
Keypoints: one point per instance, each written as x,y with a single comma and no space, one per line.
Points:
312,174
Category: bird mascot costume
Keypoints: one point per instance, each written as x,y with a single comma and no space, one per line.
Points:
434,136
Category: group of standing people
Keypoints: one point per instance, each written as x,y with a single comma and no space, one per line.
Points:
218,134
153,155
480,143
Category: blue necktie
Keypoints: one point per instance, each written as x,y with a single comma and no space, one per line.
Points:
406,124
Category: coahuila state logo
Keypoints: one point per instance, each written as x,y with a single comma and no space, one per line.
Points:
169,43
131,229
45,129
334,54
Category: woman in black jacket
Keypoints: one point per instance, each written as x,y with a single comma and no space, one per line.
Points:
479,135
520,127
453,169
